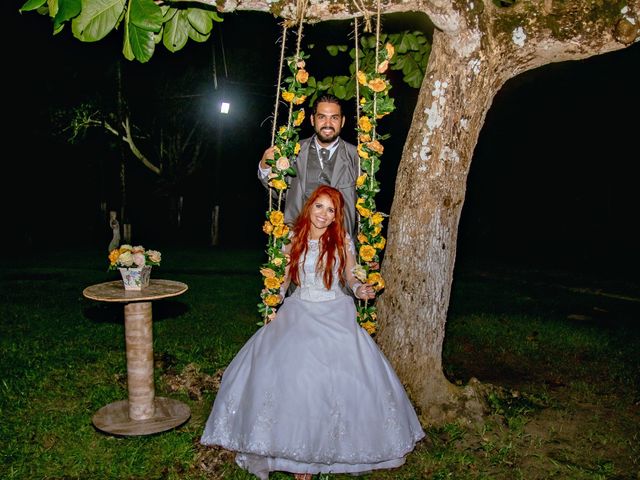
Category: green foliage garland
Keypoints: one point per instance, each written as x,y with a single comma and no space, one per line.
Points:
295,92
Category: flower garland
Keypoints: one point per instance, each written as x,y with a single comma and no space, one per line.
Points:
374,103
286,149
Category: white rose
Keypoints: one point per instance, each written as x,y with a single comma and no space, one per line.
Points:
283,163
125,259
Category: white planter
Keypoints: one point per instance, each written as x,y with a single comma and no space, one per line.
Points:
135,278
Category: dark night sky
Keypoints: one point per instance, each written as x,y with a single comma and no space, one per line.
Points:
553,177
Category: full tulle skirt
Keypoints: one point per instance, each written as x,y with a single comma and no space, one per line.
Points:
311,392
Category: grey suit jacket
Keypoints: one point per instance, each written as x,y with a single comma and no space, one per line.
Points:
345,174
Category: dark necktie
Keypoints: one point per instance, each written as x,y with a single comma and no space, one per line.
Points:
324,157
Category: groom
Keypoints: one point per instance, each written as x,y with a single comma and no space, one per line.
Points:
324,158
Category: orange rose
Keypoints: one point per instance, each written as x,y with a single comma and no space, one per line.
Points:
377,85
267,227
376,146
302,76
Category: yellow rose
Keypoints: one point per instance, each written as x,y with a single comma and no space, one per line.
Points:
365,124
276,217
364,138
362,238
367,252
376,231
278,184
390,50
376,280
361,152
288,96
377,85
267,272
280,231
299,118
125,248
376,146
302,76
282,129
362,78
363,100
377,218
296,149
361,179
383,66
272,283
272,300
299,100
380,243
267,227
277,261
370,327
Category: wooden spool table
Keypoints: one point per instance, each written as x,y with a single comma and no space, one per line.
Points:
143,413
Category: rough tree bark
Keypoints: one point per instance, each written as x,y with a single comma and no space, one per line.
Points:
477,46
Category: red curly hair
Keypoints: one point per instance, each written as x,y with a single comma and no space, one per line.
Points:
331,242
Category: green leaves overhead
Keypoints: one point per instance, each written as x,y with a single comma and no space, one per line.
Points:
97,19
412,55
145,22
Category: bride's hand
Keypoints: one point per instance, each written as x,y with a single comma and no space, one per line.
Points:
365,292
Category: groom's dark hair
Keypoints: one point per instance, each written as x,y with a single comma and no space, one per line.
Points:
328,98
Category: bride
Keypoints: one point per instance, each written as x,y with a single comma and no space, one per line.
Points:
310,392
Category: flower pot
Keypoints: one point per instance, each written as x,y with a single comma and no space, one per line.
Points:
135,278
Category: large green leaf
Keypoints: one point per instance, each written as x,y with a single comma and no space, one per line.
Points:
97,19
67,9
32,5
145,14
196,36
141,42
200,20
175,32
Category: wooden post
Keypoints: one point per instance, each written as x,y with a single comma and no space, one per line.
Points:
215,227
139,345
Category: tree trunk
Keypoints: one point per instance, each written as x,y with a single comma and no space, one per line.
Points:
430,189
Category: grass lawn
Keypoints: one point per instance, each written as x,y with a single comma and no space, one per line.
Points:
563,352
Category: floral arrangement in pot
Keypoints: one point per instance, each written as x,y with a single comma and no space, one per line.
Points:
134,264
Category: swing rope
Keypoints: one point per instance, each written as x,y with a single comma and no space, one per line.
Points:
275,109
286,147
372,103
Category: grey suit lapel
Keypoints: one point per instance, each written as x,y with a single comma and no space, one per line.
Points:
341,165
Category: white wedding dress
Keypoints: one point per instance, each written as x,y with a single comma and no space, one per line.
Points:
310,392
